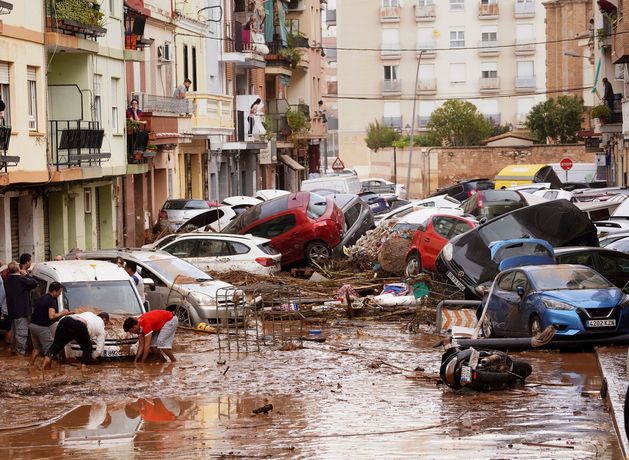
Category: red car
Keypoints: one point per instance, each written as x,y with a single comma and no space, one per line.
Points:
430,238
302,225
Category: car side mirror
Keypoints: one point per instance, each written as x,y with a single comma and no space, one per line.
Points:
149,283
520,291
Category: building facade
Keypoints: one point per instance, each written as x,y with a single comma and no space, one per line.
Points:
491,53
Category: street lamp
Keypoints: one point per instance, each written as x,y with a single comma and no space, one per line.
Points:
410,150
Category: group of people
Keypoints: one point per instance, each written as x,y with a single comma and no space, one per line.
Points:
155,329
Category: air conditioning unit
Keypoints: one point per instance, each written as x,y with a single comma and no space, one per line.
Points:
164,53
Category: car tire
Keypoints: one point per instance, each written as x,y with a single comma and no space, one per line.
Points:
413,265
183,315
317,251
535,326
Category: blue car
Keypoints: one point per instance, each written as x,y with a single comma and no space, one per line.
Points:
574,299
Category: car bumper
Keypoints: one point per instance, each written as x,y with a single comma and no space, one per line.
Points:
454,275
570,324
124,348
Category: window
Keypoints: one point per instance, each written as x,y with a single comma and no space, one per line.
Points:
5,93
583,258
31,81
457,39
506,282
489,70
459,228
524,33
112,7
238,248
524,104
182,248
390,72
425,111
316,206
525,69
391,38
426,72
185,62
457,73
488,2
390,3
114,105
352,215
442,225
292,26
457,5
213,248
426,38
425,2
489,34
619,71
614,263
98,80
274,227
194,68
520,280
392,114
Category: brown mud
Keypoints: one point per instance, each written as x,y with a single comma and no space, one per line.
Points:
354,396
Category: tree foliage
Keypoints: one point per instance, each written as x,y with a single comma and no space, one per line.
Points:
457,123
380,136
556,120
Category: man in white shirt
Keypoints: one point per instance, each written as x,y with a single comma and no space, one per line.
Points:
132,270
82,327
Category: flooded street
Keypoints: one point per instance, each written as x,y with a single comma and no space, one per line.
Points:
355,395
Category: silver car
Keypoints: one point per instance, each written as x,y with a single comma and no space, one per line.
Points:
175,285
176,212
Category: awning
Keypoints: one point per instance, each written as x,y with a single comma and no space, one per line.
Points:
288,161
138,5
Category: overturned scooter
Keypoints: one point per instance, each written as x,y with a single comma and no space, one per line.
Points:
482,370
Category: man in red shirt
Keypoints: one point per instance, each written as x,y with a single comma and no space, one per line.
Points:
156,331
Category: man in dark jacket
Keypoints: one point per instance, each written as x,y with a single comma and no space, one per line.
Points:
608,95
18,286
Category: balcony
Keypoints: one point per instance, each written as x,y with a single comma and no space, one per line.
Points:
330,17
391,87
528,83
243,105
489,84
489,48
134,23
241,50
524,9
137,145
6,160
425,13
211,114
620,43
390,51
488,11
73,30
524,46
393,122
428,48
76,144
162,104
277,62
277,119
390,14
427,86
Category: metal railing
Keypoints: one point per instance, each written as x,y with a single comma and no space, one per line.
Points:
390,49
428,46
162,104
524,44
391,86
528,82
5,140
524,9
427,84
58,23
76,143
488,9
425,12
393,122
488,46
489,83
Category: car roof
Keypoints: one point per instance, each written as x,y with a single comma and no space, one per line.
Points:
140,255
343,199
80,270
224,236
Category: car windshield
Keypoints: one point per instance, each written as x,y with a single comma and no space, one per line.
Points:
178,271
316,206
557,277
186,204
109,296
257,212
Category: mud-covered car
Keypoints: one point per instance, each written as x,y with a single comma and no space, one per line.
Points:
466,259
357,219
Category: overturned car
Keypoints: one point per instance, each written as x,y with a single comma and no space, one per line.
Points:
466,260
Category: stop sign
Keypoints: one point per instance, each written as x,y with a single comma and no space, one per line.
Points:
566,164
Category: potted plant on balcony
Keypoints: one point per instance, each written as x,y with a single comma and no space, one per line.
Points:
602,112
293,55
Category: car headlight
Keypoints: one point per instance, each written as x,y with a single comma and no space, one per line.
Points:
624,302
556,305
202,299
447,252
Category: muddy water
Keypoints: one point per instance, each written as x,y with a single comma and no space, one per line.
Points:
327,403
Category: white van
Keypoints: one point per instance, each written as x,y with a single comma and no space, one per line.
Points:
339,184
98,284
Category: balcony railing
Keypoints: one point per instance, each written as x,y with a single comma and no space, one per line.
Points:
488,47
425,12
211,113
525,45
525,83
275,56
393,122
5,159
488,10
427,85
390,14
524,9
162,104
76,143
390,51
489,84
137,143
277,119
428,48
391,87
70,24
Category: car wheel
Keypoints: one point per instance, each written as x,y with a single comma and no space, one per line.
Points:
413,265
487,327
317,251
183,315
535,326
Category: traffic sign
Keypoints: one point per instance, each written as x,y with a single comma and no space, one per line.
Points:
338,165
566,164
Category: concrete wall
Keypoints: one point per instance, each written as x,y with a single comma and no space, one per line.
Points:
438,167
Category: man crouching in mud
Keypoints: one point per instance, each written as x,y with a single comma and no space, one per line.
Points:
156,331
82,327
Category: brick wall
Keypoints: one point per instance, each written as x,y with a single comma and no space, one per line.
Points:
437,167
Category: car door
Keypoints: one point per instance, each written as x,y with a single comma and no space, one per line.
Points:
284,236
499,302
211,255
184,248
240,257
614,267
433,239
159,295
518,311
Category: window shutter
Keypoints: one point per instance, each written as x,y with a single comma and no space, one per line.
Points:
31,73
4,73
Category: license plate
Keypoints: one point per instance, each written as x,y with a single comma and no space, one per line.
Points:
112,353
601,323
456,282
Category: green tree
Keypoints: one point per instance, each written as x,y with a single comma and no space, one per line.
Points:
556,120
380,136
457,123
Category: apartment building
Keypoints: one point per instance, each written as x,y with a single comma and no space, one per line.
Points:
483,51
331,83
